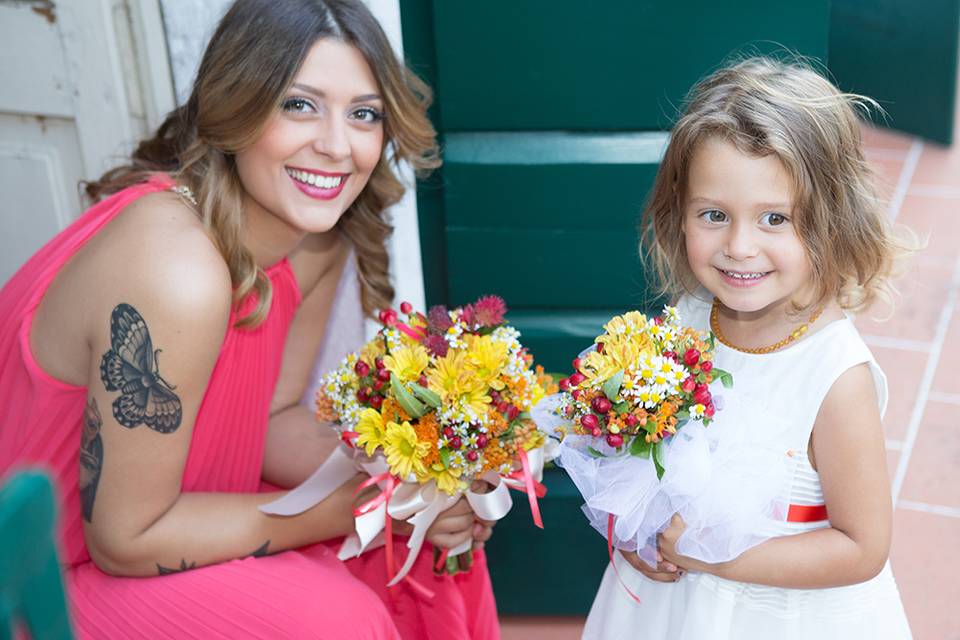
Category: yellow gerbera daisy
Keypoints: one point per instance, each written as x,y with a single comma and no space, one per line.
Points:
407,362
370,430
448,480
404,452
448,375
487,358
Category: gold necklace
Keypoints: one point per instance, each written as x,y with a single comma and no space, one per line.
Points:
795,335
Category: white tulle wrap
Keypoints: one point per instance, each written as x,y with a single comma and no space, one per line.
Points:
731,489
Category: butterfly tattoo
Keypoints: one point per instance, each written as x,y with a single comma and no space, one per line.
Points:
130,366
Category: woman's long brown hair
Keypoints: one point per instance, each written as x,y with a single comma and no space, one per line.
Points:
247,68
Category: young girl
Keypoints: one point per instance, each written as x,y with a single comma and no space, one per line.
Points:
764,218
165,339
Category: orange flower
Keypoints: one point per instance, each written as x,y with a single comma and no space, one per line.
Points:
325,410
429,431
495,455
496,423
393,412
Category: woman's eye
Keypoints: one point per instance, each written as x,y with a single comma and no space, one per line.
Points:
714,215
298,105
774,219
368,115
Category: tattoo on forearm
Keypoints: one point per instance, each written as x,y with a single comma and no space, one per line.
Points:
262,551
131,367
91,458
164,571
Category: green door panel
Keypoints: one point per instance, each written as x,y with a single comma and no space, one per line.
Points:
903,54
544,64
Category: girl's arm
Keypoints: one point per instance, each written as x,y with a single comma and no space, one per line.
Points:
849,454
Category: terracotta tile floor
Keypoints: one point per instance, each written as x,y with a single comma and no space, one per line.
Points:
919,348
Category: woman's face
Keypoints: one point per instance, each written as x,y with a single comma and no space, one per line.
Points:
317,153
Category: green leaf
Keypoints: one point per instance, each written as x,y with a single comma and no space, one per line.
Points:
621,407
410,404
680,423
725,377
639,447
445,458
683,415
425,395
594,453
611,388
524,415
658,459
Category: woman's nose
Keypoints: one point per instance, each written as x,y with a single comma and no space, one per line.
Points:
332,139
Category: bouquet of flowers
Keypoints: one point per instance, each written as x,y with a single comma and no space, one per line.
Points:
645,379
431,406
643,437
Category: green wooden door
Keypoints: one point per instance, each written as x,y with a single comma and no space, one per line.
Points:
552,116
903,54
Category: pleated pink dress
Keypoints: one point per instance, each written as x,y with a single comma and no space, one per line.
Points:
306,593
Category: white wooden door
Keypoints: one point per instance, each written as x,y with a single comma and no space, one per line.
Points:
80,82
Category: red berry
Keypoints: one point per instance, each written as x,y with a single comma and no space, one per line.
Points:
423,381
596,432
383,374
378,363
472,455
599,347
710,410
700,387
691,357
388,317
363,395
512,412
576,379
590,421
376,402
406,307
448,432
361,368
482,441
601,405
702,397
671,355
658,320
576,364
689,384
455,442
631,420
378,384
495,396
614,439
706,366
564,384
576,394
503,406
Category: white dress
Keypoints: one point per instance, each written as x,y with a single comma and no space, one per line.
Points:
776,398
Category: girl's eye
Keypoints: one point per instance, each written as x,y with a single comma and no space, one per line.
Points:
298,105
368,115
774,219
714,215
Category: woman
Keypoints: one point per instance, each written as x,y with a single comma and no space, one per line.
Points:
168,335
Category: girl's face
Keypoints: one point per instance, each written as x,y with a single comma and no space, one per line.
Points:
317,153
741,241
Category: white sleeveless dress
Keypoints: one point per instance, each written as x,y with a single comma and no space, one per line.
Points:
776,398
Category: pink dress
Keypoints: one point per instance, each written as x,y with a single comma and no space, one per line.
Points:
463,607
306,593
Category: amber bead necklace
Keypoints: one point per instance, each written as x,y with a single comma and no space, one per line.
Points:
794,335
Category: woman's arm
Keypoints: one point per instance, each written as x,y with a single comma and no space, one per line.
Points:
155,329
849,453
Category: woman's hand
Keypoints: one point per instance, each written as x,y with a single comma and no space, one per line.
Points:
664,572
667,548
453,526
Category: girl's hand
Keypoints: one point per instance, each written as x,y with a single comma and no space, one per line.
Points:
667,546
665,571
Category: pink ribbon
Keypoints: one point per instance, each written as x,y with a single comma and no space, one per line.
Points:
347,437
614,564
382,498
532,489
415,334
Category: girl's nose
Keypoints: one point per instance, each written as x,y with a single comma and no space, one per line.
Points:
741,242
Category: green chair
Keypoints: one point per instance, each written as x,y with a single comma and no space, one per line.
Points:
31,588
